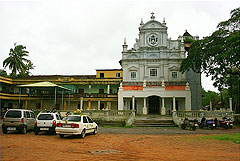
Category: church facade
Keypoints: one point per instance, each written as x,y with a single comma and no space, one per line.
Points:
149,81
152,83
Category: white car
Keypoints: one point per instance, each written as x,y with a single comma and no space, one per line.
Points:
76,125
46,122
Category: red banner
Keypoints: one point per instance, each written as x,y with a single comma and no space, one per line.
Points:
173,88
132,88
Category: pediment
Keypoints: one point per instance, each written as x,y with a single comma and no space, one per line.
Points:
174,68
153,24
132,68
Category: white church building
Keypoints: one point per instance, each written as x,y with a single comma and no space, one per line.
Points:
152,83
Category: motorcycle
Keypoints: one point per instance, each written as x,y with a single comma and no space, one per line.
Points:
192,124
208,123
226,123
211,123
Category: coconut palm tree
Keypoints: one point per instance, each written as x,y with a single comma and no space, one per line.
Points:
29,66
16,60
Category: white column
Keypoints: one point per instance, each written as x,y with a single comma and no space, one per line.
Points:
99,105
81,105
174,103
89,87
230,104
133,102
163,109
145,106
120,97
108,89
210,105
188,104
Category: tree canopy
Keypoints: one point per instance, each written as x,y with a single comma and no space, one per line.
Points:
217,55
17,61
210,96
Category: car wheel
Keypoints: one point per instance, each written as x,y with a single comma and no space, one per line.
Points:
95,131
36,132
24,129
61,135
5,130
83,133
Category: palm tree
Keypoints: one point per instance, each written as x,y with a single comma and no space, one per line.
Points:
29,66
16,60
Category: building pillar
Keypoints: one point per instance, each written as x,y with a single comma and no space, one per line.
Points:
108,89
120,97
163,109
230,104
99,105
188,104
65,105
81,105
26,104
145,106
174,103
89,87
133,102
210,105
89,104
41,104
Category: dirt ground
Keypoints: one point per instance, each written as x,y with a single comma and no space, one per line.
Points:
117,145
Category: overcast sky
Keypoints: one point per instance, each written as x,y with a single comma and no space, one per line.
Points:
77,37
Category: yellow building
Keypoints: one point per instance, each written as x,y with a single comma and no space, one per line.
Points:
92,92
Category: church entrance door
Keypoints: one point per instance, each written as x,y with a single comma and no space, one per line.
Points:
154,104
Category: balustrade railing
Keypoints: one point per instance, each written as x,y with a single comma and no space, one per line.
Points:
103,114
236,117
207,114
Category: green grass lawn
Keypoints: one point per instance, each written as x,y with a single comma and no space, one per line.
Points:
225,137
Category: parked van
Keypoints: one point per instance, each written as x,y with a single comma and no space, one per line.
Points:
18,120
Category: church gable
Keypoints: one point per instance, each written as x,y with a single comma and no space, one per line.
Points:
153,25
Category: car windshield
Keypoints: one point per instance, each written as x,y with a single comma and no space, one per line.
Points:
13,114
45,117
72,118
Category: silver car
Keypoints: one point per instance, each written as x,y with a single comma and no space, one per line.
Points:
18,120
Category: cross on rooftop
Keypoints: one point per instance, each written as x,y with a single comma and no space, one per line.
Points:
152,17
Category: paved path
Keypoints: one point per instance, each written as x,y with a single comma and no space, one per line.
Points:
157,131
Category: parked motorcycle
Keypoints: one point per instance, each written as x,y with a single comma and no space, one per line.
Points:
211,123
208,124
192,124
226,123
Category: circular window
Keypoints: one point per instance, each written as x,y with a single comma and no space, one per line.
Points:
153,39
